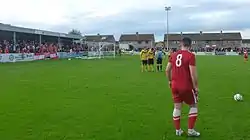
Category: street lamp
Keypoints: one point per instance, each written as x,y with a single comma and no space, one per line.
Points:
167,9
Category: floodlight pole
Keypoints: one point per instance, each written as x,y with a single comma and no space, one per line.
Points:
14,40
99,49
167,9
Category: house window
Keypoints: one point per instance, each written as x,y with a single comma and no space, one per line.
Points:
177,42
139,42
146,42
194,42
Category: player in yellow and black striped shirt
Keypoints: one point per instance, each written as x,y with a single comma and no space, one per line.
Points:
151,55
144,59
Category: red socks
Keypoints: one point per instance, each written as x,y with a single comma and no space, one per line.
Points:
192,117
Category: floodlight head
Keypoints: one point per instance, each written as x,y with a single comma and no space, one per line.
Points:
167,8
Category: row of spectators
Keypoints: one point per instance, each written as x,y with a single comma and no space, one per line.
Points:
23,46
212,49
28,46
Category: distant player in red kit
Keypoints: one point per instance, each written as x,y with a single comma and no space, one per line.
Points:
245,55
182,75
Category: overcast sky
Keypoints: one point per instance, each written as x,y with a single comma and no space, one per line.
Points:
128,16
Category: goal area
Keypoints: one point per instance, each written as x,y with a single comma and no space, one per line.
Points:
101,50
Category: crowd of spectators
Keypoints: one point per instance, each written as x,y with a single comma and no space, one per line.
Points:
214,49
27,46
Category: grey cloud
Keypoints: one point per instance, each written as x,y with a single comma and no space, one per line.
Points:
154,21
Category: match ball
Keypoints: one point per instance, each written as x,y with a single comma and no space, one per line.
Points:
69,59
238,97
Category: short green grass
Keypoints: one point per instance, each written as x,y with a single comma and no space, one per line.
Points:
113,100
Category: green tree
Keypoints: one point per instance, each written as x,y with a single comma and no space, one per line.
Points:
75,32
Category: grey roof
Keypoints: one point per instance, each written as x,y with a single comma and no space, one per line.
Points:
100,38
137,37
205,36
246,41
7,27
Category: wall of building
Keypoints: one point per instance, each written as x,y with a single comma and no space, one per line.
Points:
92,43
96,44
222,44
245,45
232,44
172,44
159,45
139,44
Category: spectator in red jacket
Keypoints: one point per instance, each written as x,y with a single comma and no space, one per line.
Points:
6,50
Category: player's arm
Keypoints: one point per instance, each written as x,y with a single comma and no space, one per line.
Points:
156,54
147,54
193,72
141,55
168,70
164,53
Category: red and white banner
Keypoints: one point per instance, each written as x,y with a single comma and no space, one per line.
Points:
53,56
46,55
39,57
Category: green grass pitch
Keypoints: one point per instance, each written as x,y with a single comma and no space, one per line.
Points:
112,100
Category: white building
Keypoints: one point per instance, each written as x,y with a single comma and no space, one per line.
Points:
138,41
95,40
246,43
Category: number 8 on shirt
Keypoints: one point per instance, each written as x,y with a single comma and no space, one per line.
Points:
178,60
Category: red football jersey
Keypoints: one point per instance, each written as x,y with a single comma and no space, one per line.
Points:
181,78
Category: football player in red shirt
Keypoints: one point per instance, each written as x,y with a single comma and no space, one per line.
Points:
245,55
182,75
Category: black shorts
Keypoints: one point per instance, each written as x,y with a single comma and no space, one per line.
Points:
159,61
150,61
144,62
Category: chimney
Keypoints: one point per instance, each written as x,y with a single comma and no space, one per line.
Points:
137,35
200,32
221,32
98,34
